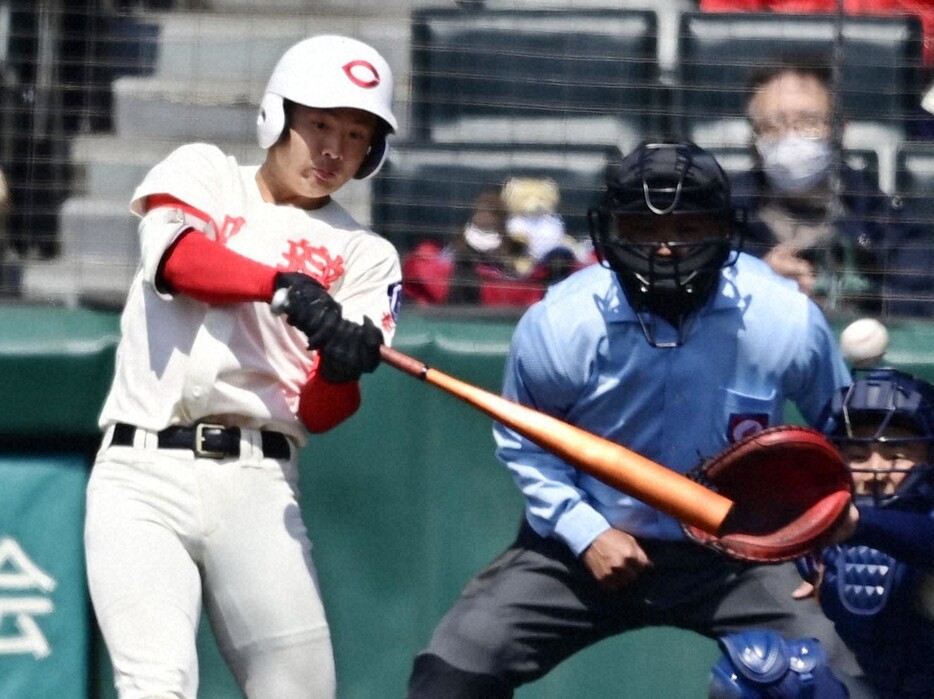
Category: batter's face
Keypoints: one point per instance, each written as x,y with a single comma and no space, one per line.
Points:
319,154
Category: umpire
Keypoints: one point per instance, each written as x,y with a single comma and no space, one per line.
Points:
676,346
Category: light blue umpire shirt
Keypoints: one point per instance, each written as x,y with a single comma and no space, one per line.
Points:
580,355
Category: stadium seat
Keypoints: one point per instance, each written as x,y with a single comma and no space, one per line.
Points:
667,12
426,191
585,76
915,179
880,69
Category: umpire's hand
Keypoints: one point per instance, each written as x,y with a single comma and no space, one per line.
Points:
615,559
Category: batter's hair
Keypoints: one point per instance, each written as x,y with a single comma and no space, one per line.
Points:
288,107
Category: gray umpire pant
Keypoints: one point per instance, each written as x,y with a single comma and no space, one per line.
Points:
536,605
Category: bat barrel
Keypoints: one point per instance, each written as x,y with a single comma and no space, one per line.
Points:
609,462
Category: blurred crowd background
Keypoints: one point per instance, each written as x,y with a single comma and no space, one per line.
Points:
819,110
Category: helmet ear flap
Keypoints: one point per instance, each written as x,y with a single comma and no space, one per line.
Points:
271,120
375,157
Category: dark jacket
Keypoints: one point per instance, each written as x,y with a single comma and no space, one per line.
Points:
884,264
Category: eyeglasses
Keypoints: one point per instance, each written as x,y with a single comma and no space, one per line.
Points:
806,124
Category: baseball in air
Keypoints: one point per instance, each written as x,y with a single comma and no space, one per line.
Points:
863,342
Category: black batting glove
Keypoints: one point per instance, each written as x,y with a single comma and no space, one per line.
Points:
309,307
352,351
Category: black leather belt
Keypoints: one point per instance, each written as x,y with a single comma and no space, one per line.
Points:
206,440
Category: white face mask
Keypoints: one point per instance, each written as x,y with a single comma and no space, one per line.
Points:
795,164
480,239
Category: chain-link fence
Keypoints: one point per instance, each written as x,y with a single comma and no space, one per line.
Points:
548,93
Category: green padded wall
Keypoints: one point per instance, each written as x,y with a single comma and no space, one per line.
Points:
55,365
45,626
404,502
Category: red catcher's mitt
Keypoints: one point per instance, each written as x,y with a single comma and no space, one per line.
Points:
790,488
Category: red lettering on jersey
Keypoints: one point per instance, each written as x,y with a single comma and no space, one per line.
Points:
315,261
388,322
230,228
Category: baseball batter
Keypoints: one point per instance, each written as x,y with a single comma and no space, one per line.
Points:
194,493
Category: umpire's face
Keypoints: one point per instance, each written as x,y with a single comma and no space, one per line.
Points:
669,233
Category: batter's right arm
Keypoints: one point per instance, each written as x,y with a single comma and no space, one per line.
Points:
346,349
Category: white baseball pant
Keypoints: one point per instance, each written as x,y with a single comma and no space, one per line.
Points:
165,530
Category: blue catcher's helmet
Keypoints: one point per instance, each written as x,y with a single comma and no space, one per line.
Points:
665,179
883,398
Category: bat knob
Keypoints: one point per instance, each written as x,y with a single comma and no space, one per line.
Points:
280,301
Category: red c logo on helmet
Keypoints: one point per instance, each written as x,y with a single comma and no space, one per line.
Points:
362,74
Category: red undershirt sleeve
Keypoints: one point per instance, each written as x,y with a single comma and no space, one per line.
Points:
209,271
323,405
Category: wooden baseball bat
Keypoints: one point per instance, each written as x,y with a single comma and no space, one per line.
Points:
611,463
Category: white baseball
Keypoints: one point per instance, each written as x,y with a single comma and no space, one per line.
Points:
863,342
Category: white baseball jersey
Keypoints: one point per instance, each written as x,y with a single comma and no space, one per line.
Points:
181,360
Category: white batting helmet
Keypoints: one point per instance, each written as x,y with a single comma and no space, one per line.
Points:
326,72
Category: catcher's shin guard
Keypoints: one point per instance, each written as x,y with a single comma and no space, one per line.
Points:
759,664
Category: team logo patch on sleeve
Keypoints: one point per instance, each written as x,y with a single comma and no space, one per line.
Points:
394,292
742,426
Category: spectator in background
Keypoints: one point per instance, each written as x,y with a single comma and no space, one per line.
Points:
921,124
482,251
814,219
532,204
506,255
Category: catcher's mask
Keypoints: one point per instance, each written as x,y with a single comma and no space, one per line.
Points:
327,72
881,399
683,186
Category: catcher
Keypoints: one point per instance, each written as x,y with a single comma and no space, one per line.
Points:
676,347
878,586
